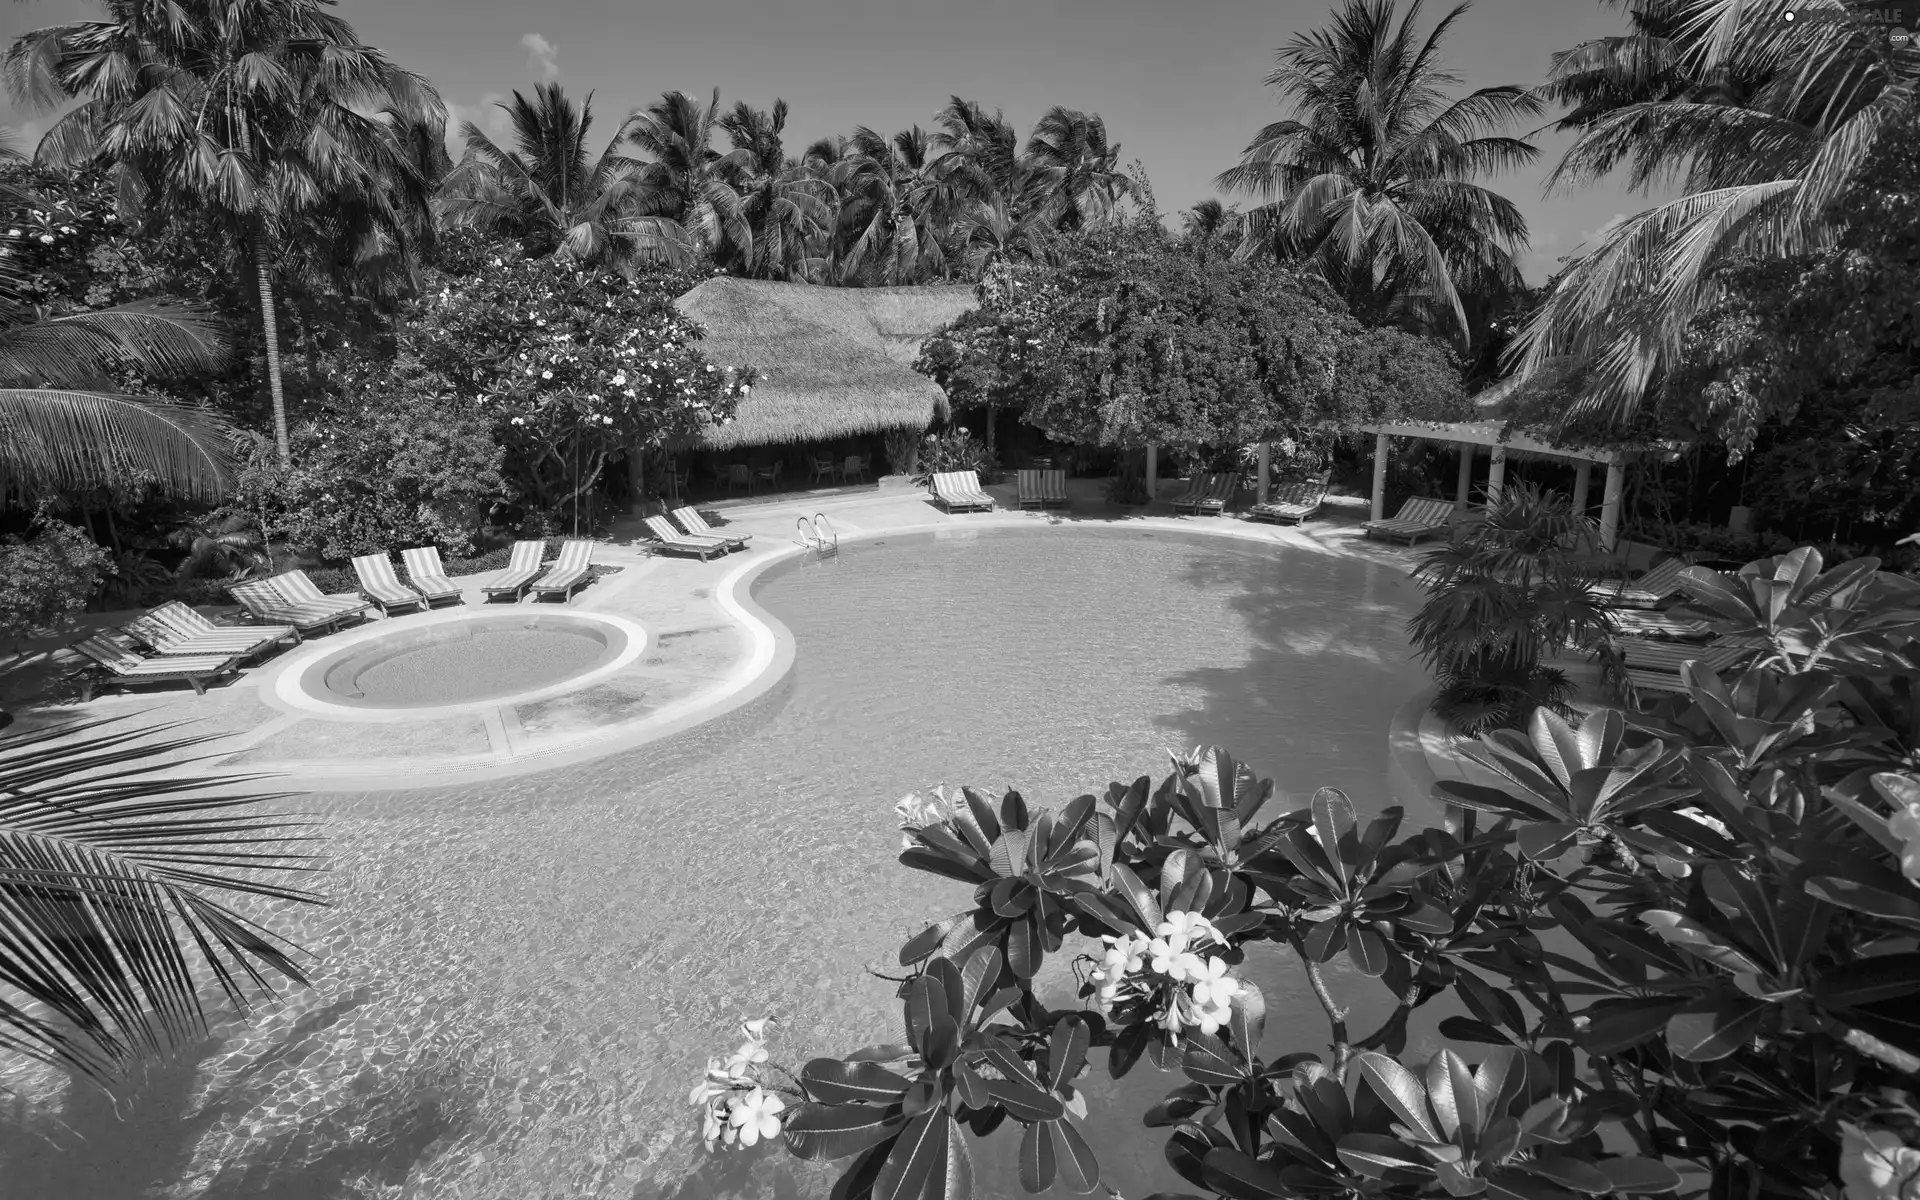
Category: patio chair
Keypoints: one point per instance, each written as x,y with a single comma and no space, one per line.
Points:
825,468
854,465
669,538
1196,488
718,470
264,603
1053,486
1417,518
739,475
523,567
1030,495
572,569
175,630
428,575
960,490
110,662
1659,583
771,474
696,525
296,588
1291,504
382,588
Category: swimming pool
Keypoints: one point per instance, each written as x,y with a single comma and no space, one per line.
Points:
520,981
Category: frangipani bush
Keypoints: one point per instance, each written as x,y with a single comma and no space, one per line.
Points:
1687,943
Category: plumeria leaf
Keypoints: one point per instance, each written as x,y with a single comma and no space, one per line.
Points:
1375,1155
1025,1103
1232,1173
1248,1024
1639,1176
1036,1157
1066,1051
1079,1169
1401,1091
1569,1173
1207,1060
821,1131
1708,1036
833,1081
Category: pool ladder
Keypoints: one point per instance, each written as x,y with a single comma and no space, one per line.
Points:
818,534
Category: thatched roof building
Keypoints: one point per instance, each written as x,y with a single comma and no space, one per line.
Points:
837,361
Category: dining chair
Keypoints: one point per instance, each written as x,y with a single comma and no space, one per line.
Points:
852,467
770,473
825,468
738,475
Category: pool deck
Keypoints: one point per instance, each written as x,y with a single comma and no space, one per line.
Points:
709,650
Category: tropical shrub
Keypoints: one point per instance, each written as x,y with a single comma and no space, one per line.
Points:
46,578
1684,942
1509,588
903,451
572,365
955,450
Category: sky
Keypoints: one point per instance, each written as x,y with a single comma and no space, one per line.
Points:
1179,82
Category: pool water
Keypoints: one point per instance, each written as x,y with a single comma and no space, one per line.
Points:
519,982
482,657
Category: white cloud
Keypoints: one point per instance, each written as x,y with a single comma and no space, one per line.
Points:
1592,236
543,57
497,121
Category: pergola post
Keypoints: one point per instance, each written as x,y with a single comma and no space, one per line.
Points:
1266,463
1379,477
1463,492
1582,481
1496,475
1153,471
637,476
1610,506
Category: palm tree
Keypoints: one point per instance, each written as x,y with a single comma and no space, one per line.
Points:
265,112
1762,121
65,427
110,869
1075,166
544,190
979,157
688,184
1207,224
787,211
1371,178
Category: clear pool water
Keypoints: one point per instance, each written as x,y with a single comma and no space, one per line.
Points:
482,657
519,982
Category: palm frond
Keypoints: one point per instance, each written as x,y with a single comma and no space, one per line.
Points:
111,871
162,338
63,439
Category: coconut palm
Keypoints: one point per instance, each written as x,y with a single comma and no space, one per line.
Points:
994,231
892,214
787,211
545,190
980,157
1208,224
1074,166
1371,178
688,184
1763,122
66,427
265,112
111,914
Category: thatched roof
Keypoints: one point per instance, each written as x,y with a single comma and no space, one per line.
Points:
838,361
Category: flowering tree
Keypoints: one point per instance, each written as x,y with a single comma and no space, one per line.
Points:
1006,354
1685,941
575,365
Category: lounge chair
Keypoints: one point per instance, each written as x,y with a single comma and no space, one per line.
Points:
1213,499
1053,487
960,490
1291,504
1417,518
382,588
428,576
1656,666
296,588
264,603
1657,584
173,629
1196,489
573,569
522,569
669,538
1638,623
122,666
1031,493
696,525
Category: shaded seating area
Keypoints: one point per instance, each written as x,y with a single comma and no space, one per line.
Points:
695,525
1418,518
667,538
263,602
174,629
1208,494
960,491
523,567
110,663
1291,503
572,569
427,575
382,588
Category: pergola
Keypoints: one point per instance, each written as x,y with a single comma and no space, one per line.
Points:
1468,434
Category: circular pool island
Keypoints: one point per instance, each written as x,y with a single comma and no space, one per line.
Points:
457,658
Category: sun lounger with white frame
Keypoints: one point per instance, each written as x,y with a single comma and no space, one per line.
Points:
695,525
297,588
523,567
384,589
174,629
1290,504
1030,493
666,537
958,491
1053,487
265,604
428,576
1417,518
110,662
1657,584
572,569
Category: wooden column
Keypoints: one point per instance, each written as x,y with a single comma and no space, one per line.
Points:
1463,491
1266,463
1380,451
1582,483
1153,471
1610,506
1496,475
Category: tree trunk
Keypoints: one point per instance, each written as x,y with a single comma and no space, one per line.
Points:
270,329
